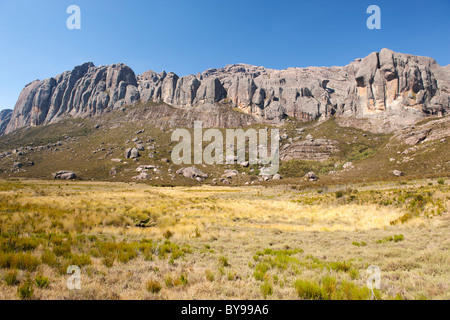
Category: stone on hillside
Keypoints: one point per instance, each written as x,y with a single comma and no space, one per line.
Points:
192,173
398,173
230,174
17,165
145,168
348,165
64,175
142,176
245,164
311,176
134,153
277,177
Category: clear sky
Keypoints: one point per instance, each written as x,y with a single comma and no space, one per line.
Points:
189,36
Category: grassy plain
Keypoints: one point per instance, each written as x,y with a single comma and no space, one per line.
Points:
136,241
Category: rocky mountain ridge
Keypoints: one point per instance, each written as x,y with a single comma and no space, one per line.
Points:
387,90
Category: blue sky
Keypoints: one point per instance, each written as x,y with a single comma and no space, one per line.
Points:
189,36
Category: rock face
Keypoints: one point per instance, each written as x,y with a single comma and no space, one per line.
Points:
387,90
5,117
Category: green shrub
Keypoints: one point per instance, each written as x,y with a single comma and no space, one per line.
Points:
184,279
168,234
41,281
223,261
261,270
153,286
340,266
209,275
266,289
308,290
25,291
80,260
441,181
329,289
339,194
169,281
62,250
108,261
49,258
11,278
24,261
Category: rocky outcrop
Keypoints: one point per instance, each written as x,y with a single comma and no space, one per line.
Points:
430,131
85,91
314,150
5,117
382,92
392,90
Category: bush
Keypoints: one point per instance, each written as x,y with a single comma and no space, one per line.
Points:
260,271
184,279
209,275
223,261
11,278
153,286
80,260
329,289
168,234
63,250
24,261
340,266
25,291
441,181
49,258
108,261
308,290
339,194
169,282
41,281
266,289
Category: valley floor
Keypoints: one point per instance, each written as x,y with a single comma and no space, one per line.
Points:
135,241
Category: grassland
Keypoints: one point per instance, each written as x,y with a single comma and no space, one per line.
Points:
137,241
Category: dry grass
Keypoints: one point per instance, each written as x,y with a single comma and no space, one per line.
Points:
134,241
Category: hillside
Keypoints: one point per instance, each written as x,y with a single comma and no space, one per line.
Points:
94,148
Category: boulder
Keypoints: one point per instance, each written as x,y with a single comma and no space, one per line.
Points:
230,174
192,173
145,168
142,176
131,153
347,165
17,165
398,173
64,175
311,176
